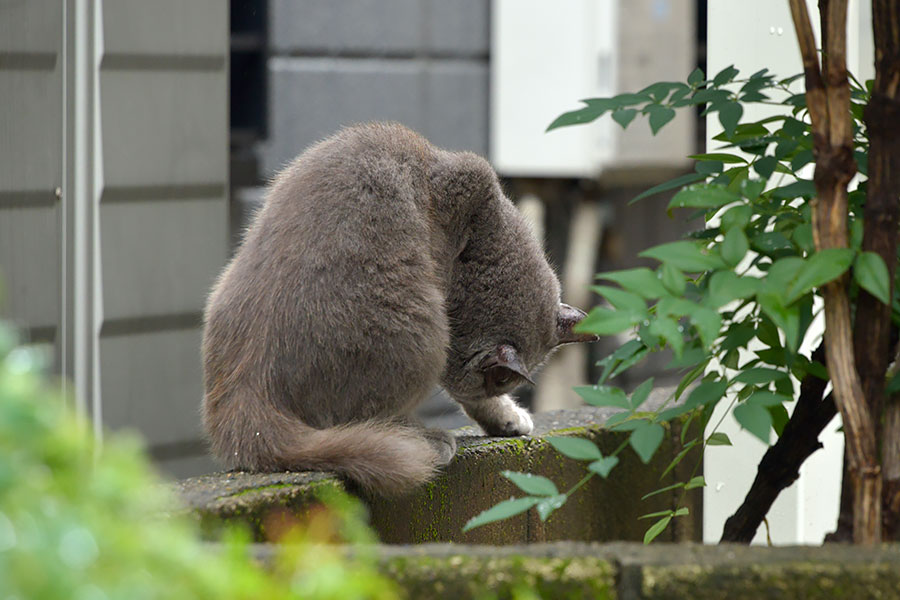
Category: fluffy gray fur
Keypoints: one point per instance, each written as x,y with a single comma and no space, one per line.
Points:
378,267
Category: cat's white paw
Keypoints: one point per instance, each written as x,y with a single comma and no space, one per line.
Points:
507,419
520,422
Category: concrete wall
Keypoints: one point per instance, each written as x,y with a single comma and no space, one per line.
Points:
421,62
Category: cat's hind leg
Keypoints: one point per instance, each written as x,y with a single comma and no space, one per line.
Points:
500,416
441,440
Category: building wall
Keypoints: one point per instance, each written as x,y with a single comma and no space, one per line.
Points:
31,166
113,201
423,63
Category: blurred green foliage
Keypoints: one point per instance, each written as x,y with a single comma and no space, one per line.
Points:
84,521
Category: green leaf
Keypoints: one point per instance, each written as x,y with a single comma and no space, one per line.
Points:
765,166
786,318
536,485
603,321
687,256
729,116
736,216
669,185
757,375
656,529
621,299
593,109
641,281
802,188
755,419
871,274
603,395
696,77
703,195
718,439
719,156
680,456
603,466
767,398
708,323
623,352
725,75
667,328
735,246
641,393
770,242
695,482
659,116
725,286
624,116
780,418
706,393
674,486
577,448
646,439
502,510
709,167
820,268
893,386
546,506
752,188
672,279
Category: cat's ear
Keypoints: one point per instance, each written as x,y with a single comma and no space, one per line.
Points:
566,320
501,362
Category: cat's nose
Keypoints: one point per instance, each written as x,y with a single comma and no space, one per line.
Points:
567,318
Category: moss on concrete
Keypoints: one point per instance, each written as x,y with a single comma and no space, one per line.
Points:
605,509
634,571
464,576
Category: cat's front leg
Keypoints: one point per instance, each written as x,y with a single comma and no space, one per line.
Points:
500,416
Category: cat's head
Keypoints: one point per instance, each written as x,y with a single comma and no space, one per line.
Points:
504,306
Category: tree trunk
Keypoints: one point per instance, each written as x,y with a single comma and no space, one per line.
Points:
828,102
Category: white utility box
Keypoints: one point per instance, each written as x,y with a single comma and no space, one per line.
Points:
546,56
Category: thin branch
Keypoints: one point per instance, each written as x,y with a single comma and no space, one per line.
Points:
780,465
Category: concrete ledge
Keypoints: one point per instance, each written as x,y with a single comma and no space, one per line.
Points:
603,510
633,571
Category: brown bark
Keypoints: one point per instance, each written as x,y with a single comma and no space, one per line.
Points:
828,102
881,217
780,465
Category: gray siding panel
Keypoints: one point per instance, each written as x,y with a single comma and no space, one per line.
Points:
30,129
312,98
31,26
161,257
456,105
360,26
152,382
460,27
164,127
30,276
165,27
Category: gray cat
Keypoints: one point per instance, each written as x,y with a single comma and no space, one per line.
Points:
379,267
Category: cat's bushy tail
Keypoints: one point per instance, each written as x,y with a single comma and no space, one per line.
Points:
383,457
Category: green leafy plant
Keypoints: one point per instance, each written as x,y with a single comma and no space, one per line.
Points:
78,521
734,300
